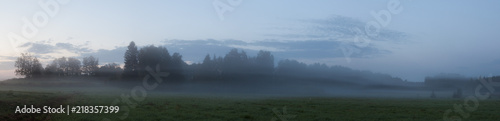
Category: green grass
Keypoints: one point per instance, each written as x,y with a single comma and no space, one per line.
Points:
208,107
169,106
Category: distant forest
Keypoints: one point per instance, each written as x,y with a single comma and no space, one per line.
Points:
235,68
235,65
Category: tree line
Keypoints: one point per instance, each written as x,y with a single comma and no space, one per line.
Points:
29,66
135,60
235,65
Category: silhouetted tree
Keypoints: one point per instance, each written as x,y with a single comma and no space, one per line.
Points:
290,68
28,66
206,70
90,65
176,67
207,60
264,63
51,69
151,56
74,66
235,64
130,70
111,70
62,69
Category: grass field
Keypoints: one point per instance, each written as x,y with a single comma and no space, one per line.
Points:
171,106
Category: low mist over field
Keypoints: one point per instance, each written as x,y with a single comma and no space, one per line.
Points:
155,69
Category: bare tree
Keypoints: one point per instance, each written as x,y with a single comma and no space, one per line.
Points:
51,69
28,66
74,66
62,69
90,66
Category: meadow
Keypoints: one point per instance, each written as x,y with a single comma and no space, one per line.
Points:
161,105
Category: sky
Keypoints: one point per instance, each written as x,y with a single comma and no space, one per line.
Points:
405,38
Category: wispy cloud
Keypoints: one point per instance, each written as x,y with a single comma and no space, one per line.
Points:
107,56
195,50
256,47
333,28
52,50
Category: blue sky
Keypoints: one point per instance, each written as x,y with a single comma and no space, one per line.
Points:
425,38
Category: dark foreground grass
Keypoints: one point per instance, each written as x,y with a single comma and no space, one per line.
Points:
234,108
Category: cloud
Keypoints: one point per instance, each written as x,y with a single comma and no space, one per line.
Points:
335,28
195,50
314,39
46,47
257,48
46,51
332,36
71,47
7,58
108,56
39,48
